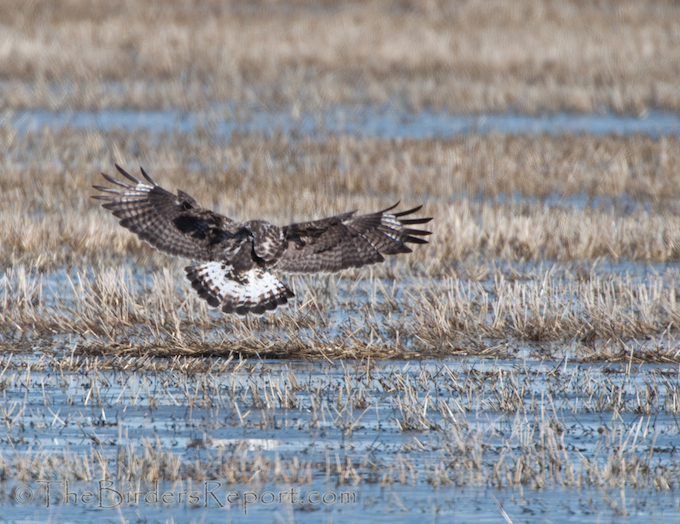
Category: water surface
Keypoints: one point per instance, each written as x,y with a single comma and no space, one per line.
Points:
385,122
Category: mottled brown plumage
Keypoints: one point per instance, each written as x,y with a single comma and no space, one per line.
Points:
237,256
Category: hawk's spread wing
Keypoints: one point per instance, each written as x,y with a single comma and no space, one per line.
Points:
174,224
346,241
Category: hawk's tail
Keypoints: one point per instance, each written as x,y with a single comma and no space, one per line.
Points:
253,291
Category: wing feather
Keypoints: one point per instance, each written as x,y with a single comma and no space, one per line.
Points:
346,240
174,224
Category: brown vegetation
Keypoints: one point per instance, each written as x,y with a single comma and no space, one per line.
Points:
477,56
495,197
591,317
539,266
489,275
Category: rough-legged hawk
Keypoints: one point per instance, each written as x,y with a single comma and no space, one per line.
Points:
237,256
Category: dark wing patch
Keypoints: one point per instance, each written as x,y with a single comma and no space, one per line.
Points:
174,224
346,241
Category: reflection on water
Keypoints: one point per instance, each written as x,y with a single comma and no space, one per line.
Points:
387,122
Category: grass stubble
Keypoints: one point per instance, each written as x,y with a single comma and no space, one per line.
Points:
445,425
527,276
566,291
526,269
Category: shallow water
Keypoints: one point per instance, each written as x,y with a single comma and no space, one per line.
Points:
386,122
399,505
346,307
400,421
49,413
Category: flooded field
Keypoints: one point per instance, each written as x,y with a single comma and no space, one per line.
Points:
419,440
522,367
403,397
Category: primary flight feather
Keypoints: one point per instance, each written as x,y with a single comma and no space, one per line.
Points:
236,256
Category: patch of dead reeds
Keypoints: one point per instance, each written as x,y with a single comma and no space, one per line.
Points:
111,312
498,202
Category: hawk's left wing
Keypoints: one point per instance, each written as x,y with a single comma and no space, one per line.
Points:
345,241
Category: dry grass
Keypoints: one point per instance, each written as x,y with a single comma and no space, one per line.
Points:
621,191
583,317
488,277
474,56
536,267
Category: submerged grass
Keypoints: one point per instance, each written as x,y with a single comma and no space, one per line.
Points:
435,425
549,292
548,314
561,198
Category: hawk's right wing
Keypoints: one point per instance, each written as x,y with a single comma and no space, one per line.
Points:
174,224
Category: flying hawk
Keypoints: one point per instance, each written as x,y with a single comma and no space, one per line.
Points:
236,256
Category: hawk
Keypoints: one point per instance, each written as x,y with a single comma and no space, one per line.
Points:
236,257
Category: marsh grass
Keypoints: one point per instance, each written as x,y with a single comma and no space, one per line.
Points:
105,312
514,198
467,57
539,328
458,425
522,226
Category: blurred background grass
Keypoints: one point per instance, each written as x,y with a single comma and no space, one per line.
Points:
525,56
